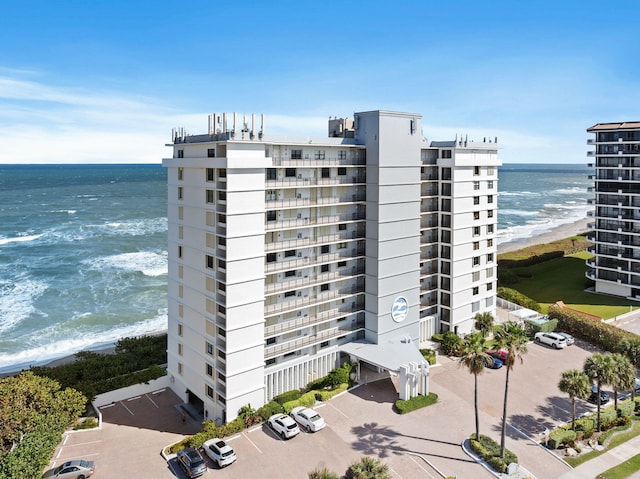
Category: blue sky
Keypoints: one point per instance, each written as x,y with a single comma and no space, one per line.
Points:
105,81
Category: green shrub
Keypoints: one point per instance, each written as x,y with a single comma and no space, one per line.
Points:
559,437
417,402
339,376
437,338
607,434
523,272
626,408
429,355
530,261
507,277
288,396
327,394
316,384
87,423
451,344
489,450
269,409
517,297
598,333
306,400
586,425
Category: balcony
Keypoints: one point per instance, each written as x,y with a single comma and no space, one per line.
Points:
305,220
307,321
356,159
313,241
313,280
591,153
312,298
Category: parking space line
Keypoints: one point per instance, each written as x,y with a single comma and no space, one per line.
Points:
134,398
338,410
123,405
420,466
152,401
82,443
106,406
232,438
428,462
159,391
254,445
391,469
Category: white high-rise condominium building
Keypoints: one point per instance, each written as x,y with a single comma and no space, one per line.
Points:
289,256
615,268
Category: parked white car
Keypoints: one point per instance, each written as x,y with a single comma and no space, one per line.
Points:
284,425
551,339
219,452
308,419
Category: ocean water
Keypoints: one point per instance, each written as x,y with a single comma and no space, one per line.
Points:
83,255
83,258
536,198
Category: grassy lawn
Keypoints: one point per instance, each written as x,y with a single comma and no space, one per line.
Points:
622,470
563,279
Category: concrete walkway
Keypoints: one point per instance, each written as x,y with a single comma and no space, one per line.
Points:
611,458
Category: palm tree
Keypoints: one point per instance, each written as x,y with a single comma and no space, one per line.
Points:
323,473
475,358
598,367
513,338
631,349
484,323
368,468
623,377
575,383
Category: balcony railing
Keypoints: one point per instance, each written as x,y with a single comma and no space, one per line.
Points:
307,321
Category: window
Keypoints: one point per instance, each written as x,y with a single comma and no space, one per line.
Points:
324,249
476,231
180,366
476,245
211,152
180,192
476,215
180,173
288,294
221,354
210,349
296,154
490,242
324,344
324,268
222,195
476,290
476,200
271,215
475,306
342,226
289,253
342,171
210,262
269,362
271,341
446,189
342,264
489,272
222,264
290,172
446,173
341,246
490,170
179,329
289,274
342,155
476,260
445,205
271,174
489,301
489,213
475,276
210,197
179,251
476,170
222,173
489,229
272,257
324,287
209,391
319,155
179,349
476,185
490,184
325,173
489,286
211,176
445,153
490,258
490,199
180,153
209,370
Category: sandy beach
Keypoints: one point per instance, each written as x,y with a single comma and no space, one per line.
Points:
561,232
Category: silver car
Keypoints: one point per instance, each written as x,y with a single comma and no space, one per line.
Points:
551,339
78,469
308,418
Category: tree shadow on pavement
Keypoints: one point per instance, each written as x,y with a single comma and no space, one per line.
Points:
383,441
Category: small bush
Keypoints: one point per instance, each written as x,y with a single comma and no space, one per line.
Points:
451,344
507,277
288,396
417,402
489,450
437,337
559,437
329,393
517,297
316,384
269,409
87,423
429,355
607,434
626,408
586,425
306,400
523,272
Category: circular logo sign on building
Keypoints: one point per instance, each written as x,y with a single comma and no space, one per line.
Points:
399,309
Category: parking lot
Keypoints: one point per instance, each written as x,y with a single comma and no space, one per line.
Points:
360,422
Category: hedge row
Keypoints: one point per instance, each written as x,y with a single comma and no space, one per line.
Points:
599,334
530,261
417,402
489,450
517,297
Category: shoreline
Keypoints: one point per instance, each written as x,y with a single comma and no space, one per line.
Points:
558,233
